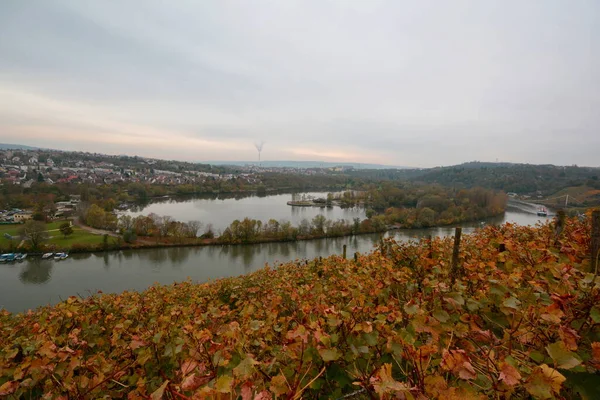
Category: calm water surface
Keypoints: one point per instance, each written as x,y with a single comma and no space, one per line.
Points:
35,282
221,212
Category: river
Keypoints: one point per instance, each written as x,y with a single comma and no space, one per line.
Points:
220,212
35,282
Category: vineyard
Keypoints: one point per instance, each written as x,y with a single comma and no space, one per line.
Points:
518,317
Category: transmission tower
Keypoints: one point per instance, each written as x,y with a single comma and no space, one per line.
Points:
259,147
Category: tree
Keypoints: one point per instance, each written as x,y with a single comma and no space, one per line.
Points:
356,225
370,213
318,223
193,228
272,228
44,207
110,222
162,224
96,217
209,232
143,225
84,192
248,229
304,227
126,222
34,232
129,236
66,229
426,217
329,199
109,205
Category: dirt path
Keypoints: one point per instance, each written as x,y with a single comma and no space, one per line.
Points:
93,230
104,232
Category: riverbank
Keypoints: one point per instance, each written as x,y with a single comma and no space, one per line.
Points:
306,330
110,241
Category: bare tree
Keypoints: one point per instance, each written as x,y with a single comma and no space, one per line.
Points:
126,222
194,227
35,232
164,225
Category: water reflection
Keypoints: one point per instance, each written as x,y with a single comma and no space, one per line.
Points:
155,258
83,256
245,253
178,255
220,210
36,271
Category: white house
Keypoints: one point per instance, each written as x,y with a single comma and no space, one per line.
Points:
22,216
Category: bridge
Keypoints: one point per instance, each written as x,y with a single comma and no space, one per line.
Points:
563,201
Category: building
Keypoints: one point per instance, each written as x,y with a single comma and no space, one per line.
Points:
22,216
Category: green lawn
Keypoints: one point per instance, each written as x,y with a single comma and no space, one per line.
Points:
79,236
10,229
13,229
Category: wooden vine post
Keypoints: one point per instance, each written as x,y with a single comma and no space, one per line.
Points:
595,245
501,249
559,225
430,247
454,270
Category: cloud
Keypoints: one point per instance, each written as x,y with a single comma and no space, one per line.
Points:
408,83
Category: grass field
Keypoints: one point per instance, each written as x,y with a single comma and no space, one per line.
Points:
79,236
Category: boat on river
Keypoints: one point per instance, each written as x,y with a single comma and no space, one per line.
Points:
542,212
7,257
60,256
20,257
45,256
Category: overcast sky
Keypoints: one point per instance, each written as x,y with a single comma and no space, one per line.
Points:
416,83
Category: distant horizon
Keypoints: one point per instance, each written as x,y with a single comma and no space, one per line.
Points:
256,162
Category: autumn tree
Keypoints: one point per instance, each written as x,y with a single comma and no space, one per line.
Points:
143,225
109,204
426,217
95,216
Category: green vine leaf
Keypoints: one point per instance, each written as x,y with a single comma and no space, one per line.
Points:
562,357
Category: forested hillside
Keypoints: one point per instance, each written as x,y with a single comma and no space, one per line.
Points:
518,178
